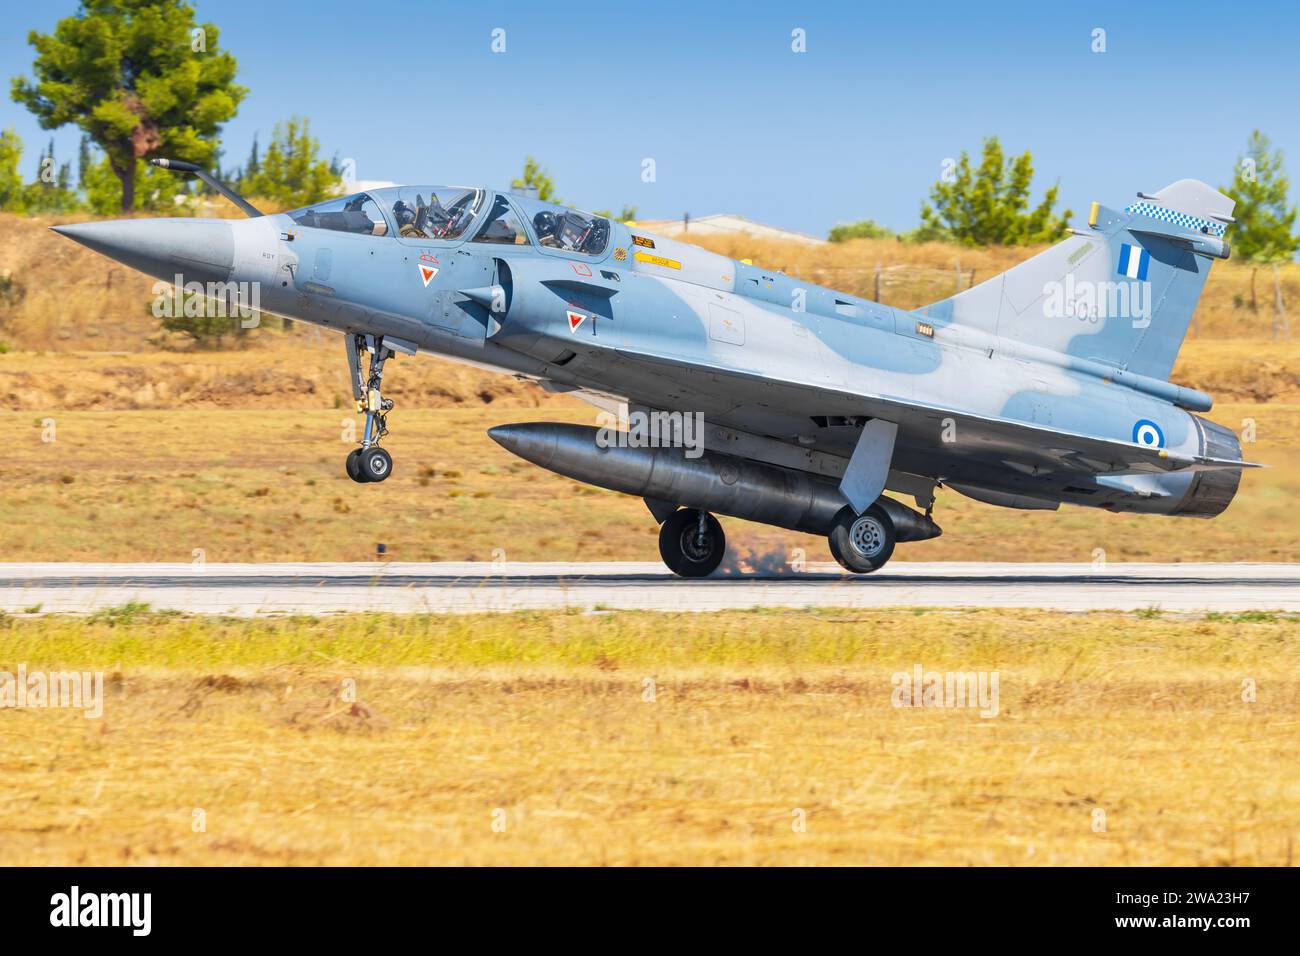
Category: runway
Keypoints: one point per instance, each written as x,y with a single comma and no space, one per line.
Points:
269,589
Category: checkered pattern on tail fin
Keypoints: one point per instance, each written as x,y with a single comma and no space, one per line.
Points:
1119,293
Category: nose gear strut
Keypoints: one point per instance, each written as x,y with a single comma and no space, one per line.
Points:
369,462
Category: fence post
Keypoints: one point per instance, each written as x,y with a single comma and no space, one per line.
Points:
877,281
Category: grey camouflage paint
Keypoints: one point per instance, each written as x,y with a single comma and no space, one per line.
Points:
993,393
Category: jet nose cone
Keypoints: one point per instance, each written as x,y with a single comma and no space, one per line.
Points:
201,250
72,231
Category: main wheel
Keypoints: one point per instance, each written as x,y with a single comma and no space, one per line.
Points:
353,466
862,543
375,464
835,551
688,551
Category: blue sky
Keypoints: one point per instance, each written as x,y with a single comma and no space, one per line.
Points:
856,127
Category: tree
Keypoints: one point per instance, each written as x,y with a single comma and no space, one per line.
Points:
536,178
254,166
863,229
51,190
11,180
241,177
83,161
987,206
201,187
291,171
1265,228
139,77
200,319
627,214
156,189
1264,231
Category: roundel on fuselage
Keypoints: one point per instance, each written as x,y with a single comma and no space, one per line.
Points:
1148,434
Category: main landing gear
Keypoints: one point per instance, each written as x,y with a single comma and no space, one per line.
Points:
862,543
369,462
691,543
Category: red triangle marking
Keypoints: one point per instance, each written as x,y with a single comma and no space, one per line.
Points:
575,319
427,273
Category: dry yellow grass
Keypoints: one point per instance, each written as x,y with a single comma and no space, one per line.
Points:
1127,742
253,485
306,370
916,275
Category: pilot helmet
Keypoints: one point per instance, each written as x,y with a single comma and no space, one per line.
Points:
545,223
403,213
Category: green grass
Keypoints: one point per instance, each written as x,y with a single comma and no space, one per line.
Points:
132,635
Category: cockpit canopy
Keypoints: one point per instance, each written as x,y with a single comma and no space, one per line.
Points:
431,212
357,213
415,212
447,212
559,227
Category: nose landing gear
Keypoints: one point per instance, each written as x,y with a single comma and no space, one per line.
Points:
369,462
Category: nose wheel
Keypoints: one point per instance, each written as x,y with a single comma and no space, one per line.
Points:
369,462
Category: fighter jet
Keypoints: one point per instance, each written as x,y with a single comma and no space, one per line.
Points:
736,390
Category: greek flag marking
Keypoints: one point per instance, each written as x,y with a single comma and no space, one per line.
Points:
1133,261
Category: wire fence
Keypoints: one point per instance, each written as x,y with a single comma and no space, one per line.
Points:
1249,302
900,285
